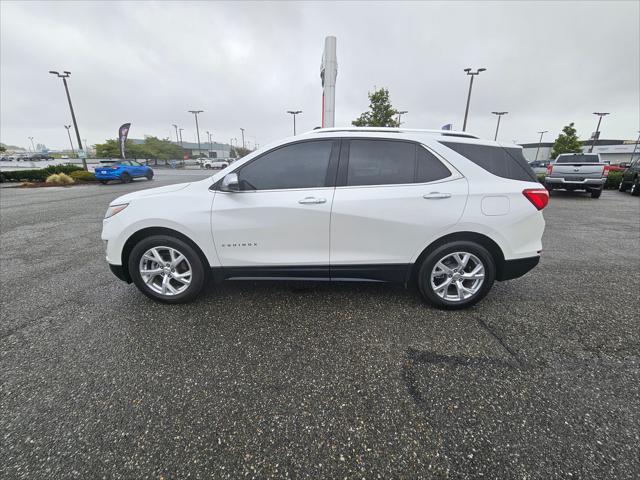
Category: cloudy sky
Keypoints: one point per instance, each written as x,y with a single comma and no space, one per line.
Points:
246,63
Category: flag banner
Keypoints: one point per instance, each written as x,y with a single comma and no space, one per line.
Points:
448,126
123,131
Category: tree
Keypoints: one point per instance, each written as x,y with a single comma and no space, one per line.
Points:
152,147
3,148
381,113
238,152
567,142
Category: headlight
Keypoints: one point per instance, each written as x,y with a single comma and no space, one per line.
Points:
113,209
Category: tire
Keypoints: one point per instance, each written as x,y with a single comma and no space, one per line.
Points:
635,187
125,178
207,166
444,255
104,182
149,175
153,285
622,187
596,193
548,186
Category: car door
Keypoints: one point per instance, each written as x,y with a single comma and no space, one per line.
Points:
392,199
280,217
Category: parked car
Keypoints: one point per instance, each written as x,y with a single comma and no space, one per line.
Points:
210,163
539,166
577,171
631,178
125,171
443,210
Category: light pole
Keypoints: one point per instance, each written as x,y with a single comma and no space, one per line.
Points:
597,133
294,113
32,145
176,127
64,75
400,113
466,111
242,130
210,145
540,142
195,113
180,130
499,114
634,148
68,127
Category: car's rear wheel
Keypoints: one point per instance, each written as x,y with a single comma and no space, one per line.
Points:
207,166
635,188
456,275
622,187
149,175
125,177
596,193
166,269
104,182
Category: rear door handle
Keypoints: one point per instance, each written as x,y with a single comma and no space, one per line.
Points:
312,200
436,195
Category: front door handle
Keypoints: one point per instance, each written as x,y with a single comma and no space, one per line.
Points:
312,200
436,195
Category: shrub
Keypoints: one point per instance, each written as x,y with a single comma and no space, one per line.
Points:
541,178
613,180
38,175
83,176
59,179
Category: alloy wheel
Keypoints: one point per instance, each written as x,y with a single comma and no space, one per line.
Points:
457,276
165,270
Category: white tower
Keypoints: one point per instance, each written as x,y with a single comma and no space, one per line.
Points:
328,74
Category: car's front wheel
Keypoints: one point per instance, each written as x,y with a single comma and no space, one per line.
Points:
456,275
149,175
166,269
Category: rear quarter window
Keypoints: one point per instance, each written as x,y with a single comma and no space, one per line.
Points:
500,161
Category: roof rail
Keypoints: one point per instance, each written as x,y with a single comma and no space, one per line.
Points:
448,133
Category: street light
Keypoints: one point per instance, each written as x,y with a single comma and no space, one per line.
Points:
400,113
180,130
210,145
597,134
499,114
540,142
195,113
242,130
176,127
294,113
68,127
466,111
64,75
34,148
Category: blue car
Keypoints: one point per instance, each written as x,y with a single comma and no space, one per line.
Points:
125,171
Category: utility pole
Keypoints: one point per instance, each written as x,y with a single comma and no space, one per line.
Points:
540,142
195,113
64,75
400,113
243,145
597,133
499,114
32,145
176,127
466,111
294,113
68,127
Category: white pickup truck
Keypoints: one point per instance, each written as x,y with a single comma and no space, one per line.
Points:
210,163
577,171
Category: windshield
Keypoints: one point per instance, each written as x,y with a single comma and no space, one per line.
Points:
579,158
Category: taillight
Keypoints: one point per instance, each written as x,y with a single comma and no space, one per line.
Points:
549,169
605,172
539,197
115,168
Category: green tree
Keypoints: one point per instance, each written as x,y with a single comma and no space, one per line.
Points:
152,148
567,142
3,148
238,152
381,113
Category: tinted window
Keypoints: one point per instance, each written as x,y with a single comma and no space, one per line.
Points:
579,158
301,165
503,162
429,168
380,162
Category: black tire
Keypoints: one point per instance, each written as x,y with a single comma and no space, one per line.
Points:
623,187
198,276
125,177
635,187
428,264
596,193
104,182
548,186
207,166
149,175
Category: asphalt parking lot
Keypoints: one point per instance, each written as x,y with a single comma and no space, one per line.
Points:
540,380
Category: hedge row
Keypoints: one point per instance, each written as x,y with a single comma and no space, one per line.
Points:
37,175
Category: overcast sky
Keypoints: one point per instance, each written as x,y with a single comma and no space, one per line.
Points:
245,64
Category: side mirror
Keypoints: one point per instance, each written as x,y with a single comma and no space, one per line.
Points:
230,183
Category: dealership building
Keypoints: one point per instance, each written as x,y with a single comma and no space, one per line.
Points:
612,151
206,149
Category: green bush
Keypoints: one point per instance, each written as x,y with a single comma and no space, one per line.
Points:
541,178
83,176
59,179
613,180
38,175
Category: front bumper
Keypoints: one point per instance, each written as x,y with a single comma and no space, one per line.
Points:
511,269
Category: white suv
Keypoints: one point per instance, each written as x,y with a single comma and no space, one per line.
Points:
444,210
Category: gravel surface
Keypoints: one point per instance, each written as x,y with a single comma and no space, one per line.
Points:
540,380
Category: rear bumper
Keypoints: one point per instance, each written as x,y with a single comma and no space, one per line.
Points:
108,176
587,182
516,268
118,271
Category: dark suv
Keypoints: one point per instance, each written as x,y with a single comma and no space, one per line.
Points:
631,178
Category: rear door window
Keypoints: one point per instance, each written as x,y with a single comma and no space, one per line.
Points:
500,161
380,162
429,168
